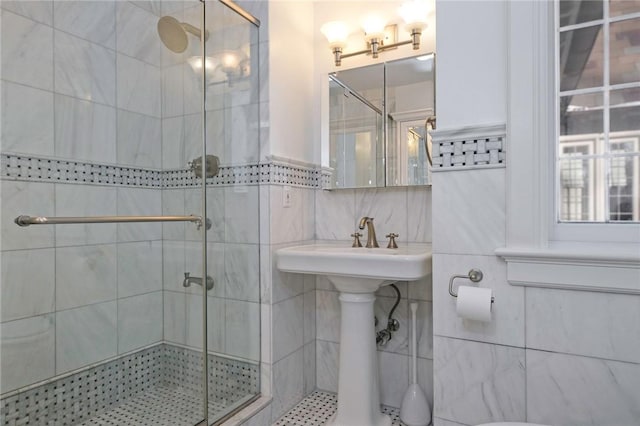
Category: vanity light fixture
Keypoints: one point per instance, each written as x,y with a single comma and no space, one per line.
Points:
226,65
414,13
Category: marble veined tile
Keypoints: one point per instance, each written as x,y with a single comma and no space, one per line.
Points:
327,316
94,21
243,329
173,142
388,207
172,91
335,214
242,134
309,306
137,33
288,326
241,214
26,198
84,70
478,382
286,222
139,140
574,390
84,275
139,86
283,284
393,371
507,323
309,367
139,321
41,11
288,383
84,130
139,268
22,106
85,335
28,351
419,208
327,355
85,200
153,6
584,323
470,218
27,290
27,51
139,202
241,272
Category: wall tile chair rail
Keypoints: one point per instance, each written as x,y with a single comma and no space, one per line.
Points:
80,395
43,169
469,147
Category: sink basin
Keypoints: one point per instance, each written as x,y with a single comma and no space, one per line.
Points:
340,263
357,273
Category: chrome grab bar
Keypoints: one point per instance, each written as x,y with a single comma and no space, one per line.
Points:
25,220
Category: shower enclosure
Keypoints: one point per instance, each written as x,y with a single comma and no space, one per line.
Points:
130,149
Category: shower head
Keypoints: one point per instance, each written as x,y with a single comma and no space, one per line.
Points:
173,33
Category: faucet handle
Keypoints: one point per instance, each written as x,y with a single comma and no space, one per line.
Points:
356,239
392,240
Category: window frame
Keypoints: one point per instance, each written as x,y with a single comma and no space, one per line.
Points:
539,251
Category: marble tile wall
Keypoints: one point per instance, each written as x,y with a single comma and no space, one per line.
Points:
73,295
547,356
406,211
81,81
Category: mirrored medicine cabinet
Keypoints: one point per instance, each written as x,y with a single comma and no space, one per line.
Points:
378,120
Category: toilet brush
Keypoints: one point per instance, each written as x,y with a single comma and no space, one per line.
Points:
415,410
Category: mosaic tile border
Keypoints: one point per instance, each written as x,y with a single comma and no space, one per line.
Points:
41,169
81,396
469,148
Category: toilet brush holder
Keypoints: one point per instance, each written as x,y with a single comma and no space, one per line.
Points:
415,410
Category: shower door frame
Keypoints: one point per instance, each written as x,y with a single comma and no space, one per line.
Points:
203,108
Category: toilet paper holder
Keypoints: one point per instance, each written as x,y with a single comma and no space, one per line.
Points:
474,275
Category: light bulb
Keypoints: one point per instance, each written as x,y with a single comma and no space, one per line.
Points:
336,33
414,13
373,26
196,64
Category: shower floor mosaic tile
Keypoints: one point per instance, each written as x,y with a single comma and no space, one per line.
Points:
159,406
317,408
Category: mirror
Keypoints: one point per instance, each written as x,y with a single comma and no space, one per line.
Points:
378,119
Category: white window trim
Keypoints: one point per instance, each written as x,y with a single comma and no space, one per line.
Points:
539,252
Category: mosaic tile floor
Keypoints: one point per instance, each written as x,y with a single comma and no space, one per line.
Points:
318,407
160,406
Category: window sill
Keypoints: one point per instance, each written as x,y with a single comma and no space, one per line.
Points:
609,268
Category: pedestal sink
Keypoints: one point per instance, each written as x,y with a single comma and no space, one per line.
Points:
357,273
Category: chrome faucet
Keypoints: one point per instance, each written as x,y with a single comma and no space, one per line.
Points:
372,242
188,279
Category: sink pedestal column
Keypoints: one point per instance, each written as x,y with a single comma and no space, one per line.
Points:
358,390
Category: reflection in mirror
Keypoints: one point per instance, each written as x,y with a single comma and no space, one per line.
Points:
409,92
356,136
379,120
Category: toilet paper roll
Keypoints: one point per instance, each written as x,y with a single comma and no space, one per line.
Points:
474,303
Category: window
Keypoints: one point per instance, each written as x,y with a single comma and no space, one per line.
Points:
598,104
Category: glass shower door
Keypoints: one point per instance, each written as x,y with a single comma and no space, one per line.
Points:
232,136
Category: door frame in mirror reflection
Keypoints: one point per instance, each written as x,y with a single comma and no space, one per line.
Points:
409,104
412,162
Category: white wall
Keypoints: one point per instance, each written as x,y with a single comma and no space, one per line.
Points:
291,79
